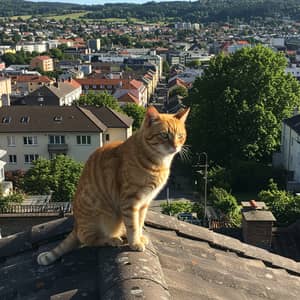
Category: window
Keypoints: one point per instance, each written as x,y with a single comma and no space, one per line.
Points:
107,137
29,158
11,141
6,119
12,159
30,140
24,119
56,139
83,139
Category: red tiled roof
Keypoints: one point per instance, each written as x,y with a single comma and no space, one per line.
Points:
31,78
42,57
128,97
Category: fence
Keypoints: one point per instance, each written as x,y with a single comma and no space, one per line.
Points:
217,224
54,207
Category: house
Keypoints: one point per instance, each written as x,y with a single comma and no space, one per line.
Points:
289,155
5,90
182,261
29,132
125,90
44,63
58,93
25,84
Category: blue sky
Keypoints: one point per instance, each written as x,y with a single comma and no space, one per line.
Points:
101,1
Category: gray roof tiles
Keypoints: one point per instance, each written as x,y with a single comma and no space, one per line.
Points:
183,261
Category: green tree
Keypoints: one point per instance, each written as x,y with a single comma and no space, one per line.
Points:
99,99
284,205
59,175
176,207
239,103
166,67
136,112
193,64
180,91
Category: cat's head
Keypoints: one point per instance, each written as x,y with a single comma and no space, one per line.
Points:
165,133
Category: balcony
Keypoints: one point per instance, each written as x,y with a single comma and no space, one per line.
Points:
57,148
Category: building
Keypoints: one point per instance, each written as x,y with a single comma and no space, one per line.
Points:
94,44
29,132
5,90
59,93
44,63
182,261
32,47
289,155
25,84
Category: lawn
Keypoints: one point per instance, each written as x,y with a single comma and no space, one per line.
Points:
76,15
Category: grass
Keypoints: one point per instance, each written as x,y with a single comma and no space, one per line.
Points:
75,16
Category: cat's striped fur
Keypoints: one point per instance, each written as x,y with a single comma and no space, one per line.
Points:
118,183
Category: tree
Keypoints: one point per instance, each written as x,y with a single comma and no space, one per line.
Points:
180,91
166,67
99,99
239,103
59,175
193,64
284,205
136,112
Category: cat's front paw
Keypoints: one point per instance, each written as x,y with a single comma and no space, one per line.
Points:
139,246
144,240
116,242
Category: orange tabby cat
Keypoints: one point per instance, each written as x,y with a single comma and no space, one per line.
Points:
118,183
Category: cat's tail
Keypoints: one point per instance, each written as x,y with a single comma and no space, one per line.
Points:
68,244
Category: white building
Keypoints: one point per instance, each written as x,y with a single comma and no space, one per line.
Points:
29,132
6,185
289,155
32,46
293,70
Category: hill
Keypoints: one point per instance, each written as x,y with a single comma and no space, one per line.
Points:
199,11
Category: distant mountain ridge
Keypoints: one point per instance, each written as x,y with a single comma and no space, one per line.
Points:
198,11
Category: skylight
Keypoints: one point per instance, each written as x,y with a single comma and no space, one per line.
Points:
6,119
24,119
57,118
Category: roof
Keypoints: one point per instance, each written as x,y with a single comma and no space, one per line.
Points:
31,78
258,215
42,57
182,261
111,118
128,97
294,123
70,119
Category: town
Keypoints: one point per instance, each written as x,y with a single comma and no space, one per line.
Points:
74,81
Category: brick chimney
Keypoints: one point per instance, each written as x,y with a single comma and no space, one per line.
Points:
257,222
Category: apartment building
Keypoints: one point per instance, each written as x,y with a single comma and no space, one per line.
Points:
29,132
44,62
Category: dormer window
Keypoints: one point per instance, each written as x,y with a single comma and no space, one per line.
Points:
25,119
6,119
58,118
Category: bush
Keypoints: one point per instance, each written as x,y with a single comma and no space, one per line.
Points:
219,177
176,207
284,205
223,201
12,198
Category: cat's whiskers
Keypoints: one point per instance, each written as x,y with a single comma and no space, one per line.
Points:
185,153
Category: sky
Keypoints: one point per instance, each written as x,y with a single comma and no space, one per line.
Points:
90,2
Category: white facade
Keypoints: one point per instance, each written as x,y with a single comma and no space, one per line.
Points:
293,70
290,151
30,47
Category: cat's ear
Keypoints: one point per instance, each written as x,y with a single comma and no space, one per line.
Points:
152,115
183,114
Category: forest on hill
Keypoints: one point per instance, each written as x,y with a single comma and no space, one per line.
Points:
198,11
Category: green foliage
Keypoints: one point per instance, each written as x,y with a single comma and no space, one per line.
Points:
99,99
136,112
12,198
219,177
20,57
284,205
166,67
223,201
180,91
59,175
193,64
176,207
239,103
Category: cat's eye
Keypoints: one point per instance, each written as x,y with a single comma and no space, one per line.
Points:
164,135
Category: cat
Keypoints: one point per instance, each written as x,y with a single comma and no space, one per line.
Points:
118,182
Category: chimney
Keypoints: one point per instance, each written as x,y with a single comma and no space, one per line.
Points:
257,223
